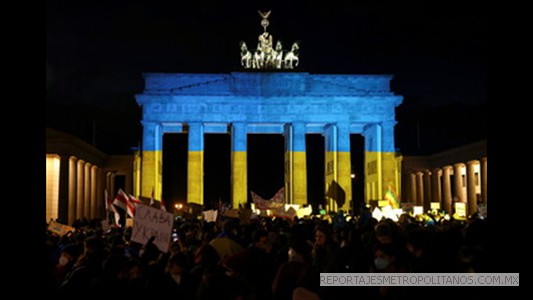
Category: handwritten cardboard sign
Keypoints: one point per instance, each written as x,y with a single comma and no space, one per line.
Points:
150,222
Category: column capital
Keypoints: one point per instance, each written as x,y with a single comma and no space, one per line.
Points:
447,168
458,165
298,125
483,159
427,172
330,125
470,163
195,124
437,171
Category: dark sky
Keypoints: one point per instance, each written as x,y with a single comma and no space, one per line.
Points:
96,52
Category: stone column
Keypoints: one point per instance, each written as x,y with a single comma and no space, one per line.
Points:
93,191
295,160
419,188
239,177
152,160
80,189
483,171
87,190
436,186
413,199
100,200
427,190
72,189
330,169
388,161
458,187
471,186
344,164
373,159
446,189
195,164
110,186
64,172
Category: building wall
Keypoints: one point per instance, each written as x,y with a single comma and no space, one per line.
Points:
433,178
77,175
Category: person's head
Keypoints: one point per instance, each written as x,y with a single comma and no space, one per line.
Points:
206,255
419,241
93,244
236,264
116,266
261,240
69,255
384,233
135,269
322,234
177,266
384,256
298,247
118,244
230,227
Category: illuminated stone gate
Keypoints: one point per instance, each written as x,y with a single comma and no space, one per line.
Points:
288,103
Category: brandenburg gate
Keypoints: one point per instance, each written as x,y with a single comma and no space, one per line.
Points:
274,100
288,103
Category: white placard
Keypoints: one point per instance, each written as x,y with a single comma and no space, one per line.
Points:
150,222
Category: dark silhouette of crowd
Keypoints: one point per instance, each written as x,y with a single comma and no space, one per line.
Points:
264,259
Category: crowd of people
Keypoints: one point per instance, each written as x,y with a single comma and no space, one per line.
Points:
263,259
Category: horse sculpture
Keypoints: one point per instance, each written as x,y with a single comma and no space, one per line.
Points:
258,59
291,58
246,56
272,58
277,56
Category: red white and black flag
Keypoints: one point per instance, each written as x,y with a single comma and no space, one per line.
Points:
109,207
121,200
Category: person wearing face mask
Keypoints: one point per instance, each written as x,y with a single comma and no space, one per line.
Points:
388,259
66,261
297,270
178,279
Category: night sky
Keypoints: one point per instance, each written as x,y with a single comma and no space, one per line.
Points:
96,52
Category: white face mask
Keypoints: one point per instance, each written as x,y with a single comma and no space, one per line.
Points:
176,278
291,253
381,263
63,261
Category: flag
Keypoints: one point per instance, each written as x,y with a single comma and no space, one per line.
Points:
106,201
109,207
278,201
391,197
132,205
337,193
121,200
